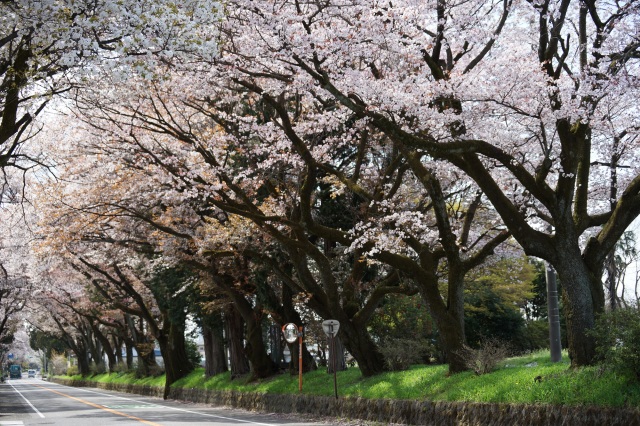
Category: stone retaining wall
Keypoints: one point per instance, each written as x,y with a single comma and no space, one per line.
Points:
393,411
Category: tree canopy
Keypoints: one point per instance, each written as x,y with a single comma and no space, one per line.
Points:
325,156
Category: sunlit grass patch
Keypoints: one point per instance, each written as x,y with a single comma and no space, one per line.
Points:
122,378
530,379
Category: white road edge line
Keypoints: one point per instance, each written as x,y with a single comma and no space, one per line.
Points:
174,408
28,402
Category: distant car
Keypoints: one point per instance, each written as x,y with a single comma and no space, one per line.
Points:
31,373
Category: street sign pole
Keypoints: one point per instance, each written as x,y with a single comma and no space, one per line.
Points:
335,367
300,359
330,328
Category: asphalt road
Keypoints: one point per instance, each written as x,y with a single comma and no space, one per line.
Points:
37,402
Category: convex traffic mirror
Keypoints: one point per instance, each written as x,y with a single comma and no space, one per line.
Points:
290,332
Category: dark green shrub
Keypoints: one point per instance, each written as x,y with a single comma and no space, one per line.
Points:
72,370
121,368
148,371
400,354
192,353
534,336
98,368
489,313
405,318
618,340
495,297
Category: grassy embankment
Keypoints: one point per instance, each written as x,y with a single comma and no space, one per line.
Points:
513,382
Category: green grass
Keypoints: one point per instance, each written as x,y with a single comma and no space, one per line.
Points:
122,378
512,382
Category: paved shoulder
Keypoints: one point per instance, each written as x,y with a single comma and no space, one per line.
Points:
53,404
14,408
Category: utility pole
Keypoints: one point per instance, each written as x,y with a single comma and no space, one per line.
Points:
553,312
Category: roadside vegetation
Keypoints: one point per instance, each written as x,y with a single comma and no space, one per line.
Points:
530,379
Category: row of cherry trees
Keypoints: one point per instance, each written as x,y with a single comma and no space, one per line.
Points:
330,154
15,285
267,226
112,310
533,101
48,48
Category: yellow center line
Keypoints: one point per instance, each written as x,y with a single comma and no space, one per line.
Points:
100,407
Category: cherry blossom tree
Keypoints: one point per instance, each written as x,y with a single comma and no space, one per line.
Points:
14,292
19,347
535,101
163,312
70,328
166,223
156,297
47,47
16,283
101,328
61,309
288,194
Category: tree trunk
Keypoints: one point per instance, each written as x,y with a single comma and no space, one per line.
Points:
145,349
235,334
117,349
452,336
83,360
284,312
129,353
147,363
99,359
174,353
207,343
92,347
255,348
449,318
107,348
214,353
356,339
259,360
612,278
276,347
451,323
583,297
290,314
359,344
